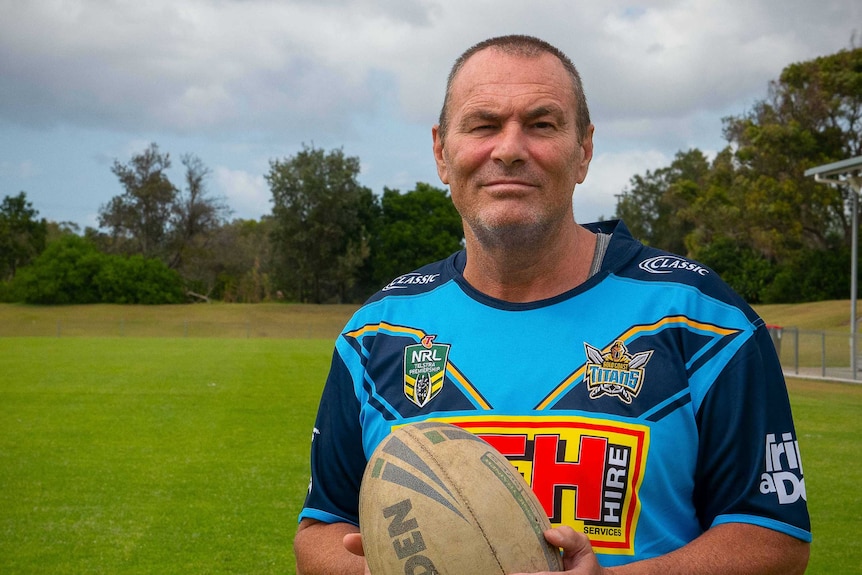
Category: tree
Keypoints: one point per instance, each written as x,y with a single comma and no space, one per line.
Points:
740,266
156,219
242,272
811,116
655,205
416,228
319,239
196,214
22,235
825,96
753,214
810,275
140,217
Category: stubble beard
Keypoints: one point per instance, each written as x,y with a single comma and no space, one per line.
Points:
525,235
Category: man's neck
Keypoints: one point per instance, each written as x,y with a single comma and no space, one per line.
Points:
526,273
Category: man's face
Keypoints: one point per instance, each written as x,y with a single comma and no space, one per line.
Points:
512,156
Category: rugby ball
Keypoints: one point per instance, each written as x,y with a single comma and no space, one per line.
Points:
437,499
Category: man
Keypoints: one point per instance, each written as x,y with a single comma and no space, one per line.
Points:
636,392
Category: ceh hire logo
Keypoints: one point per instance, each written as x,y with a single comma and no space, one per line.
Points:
586,472
669,264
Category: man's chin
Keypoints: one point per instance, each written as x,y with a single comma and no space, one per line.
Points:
511,233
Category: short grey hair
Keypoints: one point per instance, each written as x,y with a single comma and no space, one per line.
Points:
527,47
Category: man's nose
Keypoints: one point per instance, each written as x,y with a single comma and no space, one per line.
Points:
510,146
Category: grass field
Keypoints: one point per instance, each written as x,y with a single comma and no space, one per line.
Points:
826,315
152,455
188,454
293,321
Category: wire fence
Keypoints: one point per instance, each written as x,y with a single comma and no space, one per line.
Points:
818,354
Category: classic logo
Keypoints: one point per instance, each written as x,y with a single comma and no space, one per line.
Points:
586,472
615,371
668,264
424,370
411,279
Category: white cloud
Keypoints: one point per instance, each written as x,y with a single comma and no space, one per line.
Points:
268,75
302,65
608,177
173,66
247,194
675,57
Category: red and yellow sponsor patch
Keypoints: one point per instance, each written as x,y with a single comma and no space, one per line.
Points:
586,472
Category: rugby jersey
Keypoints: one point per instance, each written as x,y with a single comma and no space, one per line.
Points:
643,407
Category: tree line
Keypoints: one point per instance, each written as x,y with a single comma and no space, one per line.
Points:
749,213
328,238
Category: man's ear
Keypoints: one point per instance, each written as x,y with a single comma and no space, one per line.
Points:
442,168
586,154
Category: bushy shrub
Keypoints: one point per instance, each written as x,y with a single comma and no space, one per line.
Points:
812,275
741,267
72,270
62,274
138,280
809,275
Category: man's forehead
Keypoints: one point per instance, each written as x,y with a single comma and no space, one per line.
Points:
501,65
529,105
493,73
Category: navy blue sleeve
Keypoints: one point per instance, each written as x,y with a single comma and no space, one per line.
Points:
337,457
749,467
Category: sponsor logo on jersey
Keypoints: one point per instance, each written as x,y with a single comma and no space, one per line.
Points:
424,370
615,371
411,279
585,472
669,264
783,475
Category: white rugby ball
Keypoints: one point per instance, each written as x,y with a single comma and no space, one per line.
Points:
437,499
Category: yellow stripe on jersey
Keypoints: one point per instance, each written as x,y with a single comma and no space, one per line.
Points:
627,336
418,334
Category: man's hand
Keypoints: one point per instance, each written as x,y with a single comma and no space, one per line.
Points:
319,549
578,556
737,548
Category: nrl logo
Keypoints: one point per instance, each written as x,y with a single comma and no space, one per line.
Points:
424,370
615,372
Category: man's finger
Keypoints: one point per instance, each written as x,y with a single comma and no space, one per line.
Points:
353,543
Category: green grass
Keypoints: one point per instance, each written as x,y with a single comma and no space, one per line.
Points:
820,315
193,320
821,335
829,424
182,455
131,455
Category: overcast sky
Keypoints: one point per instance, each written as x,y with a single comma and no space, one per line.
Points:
241,82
